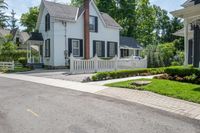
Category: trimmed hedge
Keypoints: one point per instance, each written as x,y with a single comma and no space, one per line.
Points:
183,71
126,73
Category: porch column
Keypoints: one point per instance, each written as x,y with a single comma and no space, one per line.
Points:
186,41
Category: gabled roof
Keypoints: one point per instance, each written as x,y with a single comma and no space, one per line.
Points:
129,42
188,3
24,36
4,32
61,11
71,13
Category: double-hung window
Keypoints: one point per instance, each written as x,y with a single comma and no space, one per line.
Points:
99,49
112,49
47,48
93,24
76,48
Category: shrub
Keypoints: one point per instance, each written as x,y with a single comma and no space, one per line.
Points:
23,61
191,78
126,73
175,63
182,72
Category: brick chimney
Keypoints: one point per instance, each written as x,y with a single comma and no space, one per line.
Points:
86,29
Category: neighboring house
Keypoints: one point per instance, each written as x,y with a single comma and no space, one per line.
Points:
129,47
19,38
191,32
79,31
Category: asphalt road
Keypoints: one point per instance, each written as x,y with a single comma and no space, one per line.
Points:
34,108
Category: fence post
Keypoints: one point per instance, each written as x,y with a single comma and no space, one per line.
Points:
71,63
13,65
146,62
96,63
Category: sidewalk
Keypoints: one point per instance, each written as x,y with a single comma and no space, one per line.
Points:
57,83
150,99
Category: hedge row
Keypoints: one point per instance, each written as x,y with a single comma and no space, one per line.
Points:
182,71
126,73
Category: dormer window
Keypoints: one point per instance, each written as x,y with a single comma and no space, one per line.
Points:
93,24
47,22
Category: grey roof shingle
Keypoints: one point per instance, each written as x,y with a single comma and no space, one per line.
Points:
67,12
109,20
129,42
4,32
24,36
61,11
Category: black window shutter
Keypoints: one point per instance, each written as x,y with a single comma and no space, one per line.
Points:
46,23
45,48
96,24
81,48
69,47
49,44
116,49
108,49
103,49
94,48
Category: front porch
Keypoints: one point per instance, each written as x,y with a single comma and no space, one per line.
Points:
35,50
191,33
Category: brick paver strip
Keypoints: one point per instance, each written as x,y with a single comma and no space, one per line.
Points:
173,105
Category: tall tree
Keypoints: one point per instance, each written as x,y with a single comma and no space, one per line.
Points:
126,16
146,17
13,20
76,2
29,19
3,17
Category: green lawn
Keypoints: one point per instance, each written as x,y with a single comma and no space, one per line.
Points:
185,91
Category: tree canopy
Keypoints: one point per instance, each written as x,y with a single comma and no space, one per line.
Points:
148,24
29,19
3,17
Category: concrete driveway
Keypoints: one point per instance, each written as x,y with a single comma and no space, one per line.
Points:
27,107
63,74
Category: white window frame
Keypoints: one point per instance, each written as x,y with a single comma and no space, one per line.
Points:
77,48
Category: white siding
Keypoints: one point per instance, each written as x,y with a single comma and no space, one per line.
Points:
104,33
74,30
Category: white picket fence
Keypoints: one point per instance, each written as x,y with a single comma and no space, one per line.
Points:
78,66
7,65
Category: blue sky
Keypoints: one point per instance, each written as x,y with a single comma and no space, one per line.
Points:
21,6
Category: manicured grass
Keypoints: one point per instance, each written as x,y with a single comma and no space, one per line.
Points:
185,91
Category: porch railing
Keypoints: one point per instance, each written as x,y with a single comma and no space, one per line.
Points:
99,65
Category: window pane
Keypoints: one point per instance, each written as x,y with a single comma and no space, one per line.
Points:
112,49
99,49
92,23
76,48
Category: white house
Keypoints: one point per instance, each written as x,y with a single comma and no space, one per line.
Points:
191,31
81,31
